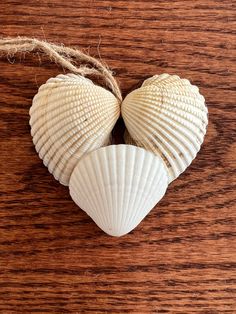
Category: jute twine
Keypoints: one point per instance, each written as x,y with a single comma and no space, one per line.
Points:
63,56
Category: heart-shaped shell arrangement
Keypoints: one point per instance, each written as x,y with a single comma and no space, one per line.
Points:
117,185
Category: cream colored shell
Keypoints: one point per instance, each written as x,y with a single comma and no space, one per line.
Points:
118,185
168,117
71,116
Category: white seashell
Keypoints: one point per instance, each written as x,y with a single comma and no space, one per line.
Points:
167,116
71,116
118,185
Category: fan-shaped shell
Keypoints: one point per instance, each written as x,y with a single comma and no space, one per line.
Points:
71,116
167,116
118,185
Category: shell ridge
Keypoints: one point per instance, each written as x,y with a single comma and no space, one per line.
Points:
190,111
94,179
101,192
180,134
157,78
58,131
163,146
155,180
68,164
79,139
131,159
140,161
152,179
76,186
91,145
42,92
187,124
112,153
178,93
133,217
73,106
120,181
109,195
68,98
183,140
87,182
172,112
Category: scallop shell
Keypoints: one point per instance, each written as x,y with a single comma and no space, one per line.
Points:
167,116
71,116
118,185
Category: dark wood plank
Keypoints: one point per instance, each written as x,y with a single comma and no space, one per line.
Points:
182,257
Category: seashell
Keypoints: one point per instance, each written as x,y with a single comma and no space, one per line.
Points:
71,116
118,185
167,116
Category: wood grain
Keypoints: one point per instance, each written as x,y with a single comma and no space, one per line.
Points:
182,257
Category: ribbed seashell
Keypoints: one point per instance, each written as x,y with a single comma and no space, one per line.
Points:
167,116
71,116
118,185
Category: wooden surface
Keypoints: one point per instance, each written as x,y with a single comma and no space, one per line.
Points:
182,257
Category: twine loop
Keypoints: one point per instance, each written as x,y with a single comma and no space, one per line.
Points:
63,56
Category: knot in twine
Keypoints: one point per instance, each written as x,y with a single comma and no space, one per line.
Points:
63,56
